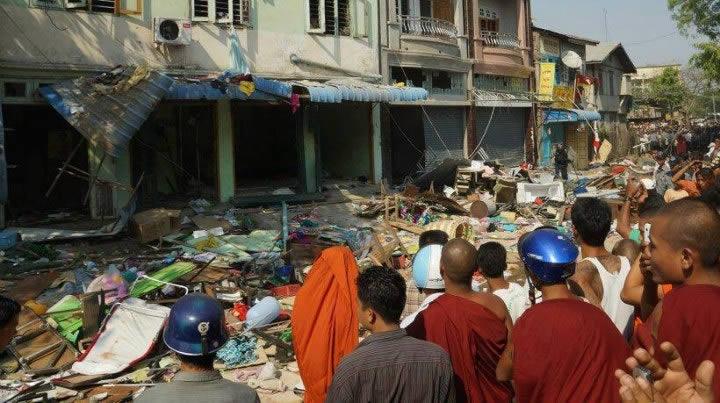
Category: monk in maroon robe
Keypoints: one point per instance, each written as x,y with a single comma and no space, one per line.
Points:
684,251
566,350
472,327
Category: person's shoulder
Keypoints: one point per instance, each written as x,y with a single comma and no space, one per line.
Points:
491,302
240,392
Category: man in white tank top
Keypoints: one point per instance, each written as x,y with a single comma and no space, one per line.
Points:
600,276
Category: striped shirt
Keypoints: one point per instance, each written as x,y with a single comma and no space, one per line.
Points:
393,367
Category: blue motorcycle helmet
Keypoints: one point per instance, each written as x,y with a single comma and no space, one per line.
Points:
548,254
196,326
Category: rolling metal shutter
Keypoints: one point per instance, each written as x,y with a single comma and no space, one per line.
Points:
449,125
505,138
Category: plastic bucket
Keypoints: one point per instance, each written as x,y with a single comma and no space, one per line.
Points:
262,313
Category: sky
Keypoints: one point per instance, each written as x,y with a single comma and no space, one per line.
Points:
644,27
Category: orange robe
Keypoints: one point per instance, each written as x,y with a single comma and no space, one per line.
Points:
324,319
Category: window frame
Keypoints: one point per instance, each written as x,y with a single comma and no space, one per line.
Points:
335,30
321,16
233,9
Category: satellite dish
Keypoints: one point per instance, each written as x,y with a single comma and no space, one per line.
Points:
571,59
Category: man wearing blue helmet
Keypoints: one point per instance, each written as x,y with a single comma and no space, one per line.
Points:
195,330
563,349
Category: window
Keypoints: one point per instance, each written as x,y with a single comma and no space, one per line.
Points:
235,12
412,77
15,89
488,20
441,80
328,17
611,84
241,12
99,6
102,6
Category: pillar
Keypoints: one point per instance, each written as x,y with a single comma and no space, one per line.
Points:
307,152
375,117
225,151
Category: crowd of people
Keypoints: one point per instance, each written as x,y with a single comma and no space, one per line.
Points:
638,323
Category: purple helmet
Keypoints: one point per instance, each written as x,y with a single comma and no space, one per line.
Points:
196,326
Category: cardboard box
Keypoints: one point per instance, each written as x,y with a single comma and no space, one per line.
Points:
151,225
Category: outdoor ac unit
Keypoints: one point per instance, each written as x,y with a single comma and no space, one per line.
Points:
172,31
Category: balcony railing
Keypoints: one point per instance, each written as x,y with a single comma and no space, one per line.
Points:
499,40
426,26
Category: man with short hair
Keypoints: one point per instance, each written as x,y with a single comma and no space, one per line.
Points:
601,275
9,315
195,331
389,365
563,349
472,327
492,262
684,251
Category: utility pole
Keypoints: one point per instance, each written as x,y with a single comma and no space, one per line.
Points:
606,30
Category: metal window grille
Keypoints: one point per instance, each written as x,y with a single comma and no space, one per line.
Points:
241,12
103,6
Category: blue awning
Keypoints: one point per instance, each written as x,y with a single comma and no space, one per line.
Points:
336,91
570,115
213,91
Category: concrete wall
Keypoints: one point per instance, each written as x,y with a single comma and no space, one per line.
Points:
29,37
344,134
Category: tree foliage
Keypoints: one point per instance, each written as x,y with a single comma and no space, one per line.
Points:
701,15
668,91
708,60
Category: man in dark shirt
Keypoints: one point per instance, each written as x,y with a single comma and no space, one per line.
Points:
389,365
561,162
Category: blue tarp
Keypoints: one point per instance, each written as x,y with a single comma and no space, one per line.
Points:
205,90
336,91
570,115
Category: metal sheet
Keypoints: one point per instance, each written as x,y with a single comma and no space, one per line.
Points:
444,135
505,138
107,117
336,91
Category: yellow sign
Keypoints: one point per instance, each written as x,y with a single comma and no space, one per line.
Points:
563,97
547,81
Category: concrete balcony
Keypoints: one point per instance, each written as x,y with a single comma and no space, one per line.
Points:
499,53
428,27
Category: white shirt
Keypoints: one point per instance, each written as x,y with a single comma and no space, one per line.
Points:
619,312
426,302
515,298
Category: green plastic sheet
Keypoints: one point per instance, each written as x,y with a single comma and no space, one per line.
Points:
167,274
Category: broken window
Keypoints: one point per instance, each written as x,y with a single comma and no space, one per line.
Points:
223,11
441,80
103,6
14,89
412,77
328,17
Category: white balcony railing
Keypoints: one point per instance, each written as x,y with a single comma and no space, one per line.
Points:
499,40
426,26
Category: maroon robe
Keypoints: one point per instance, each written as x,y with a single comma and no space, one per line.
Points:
567,350
474,337
690,320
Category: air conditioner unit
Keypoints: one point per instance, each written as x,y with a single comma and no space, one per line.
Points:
172,31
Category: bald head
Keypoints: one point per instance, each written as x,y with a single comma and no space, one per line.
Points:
692,224
458,261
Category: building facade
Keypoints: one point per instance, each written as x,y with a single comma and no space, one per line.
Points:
201,142
565,111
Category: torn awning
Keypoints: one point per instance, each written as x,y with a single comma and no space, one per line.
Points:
110,108
570,115
210,91
336,91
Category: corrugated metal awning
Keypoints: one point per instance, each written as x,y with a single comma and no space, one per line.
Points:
570,115
501,99
336,91
110,108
